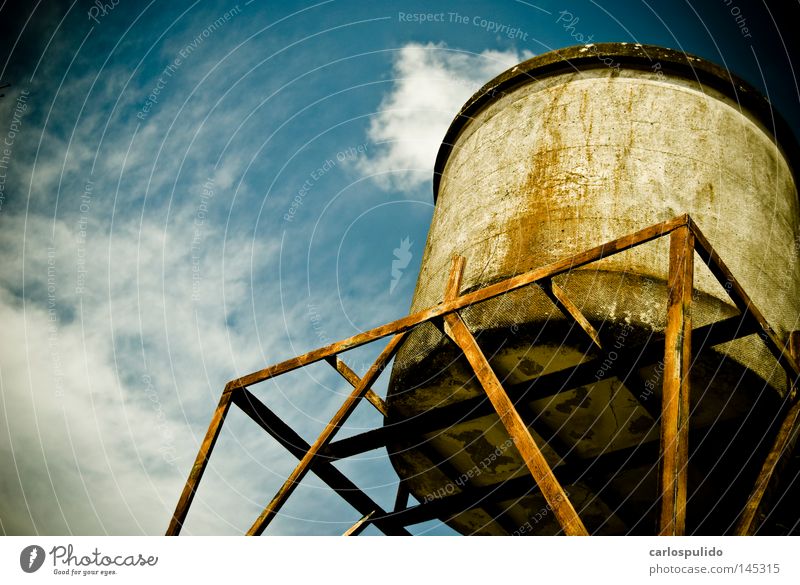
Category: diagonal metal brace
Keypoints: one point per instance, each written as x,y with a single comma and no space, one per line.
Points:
551,489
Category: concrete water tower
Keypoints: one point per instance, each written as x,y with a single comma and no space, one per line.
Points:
565,151
565,367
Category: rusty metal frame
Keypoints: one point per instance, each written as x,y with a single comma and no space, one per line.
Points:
686,239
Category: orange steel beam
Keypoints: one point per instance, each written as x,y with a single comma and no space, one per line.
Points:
675,402
200,463
359,526
560,299
353,379
553,493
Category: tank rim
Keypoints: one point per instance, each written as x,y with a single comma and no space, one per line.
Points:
631,56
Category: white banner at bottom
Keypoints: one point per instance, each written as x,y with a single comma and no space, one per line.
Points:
226,560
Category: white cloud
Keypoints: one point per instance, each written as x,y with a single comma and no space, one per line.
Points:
431,84
80,441
101,395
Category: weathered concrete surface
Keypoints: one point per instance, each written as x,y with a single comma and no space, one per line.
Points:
564,164
551,166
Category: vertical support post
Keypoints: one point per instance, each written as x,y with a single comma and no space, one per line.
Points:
794,352
401,498
200,463
675,403
747,525
542,474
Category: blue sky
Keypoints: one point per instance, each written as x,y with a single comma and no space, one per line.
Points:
196,190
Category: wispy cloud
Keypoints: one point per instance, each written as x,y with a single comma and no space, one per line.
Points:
431,83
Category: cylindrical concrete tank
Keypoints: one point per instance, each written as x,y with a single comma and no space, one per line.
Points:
563,152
